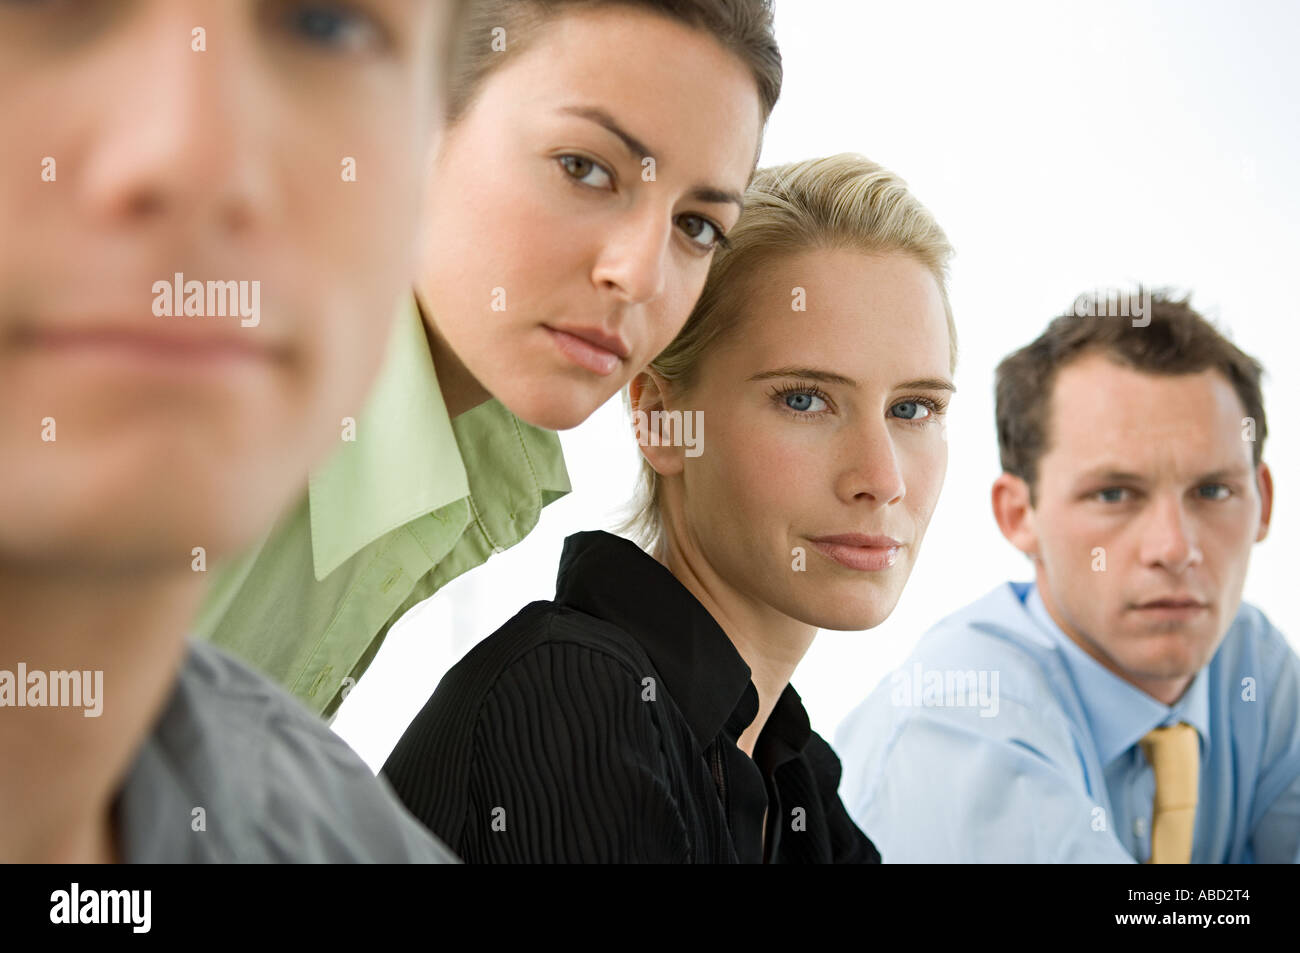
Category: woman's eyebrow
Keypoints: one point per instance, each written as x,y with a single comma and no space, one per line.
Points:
639,150
813,373
830,377
928,383
599,116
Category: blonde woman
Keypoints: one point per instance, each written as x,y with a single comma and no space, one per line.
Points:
646,714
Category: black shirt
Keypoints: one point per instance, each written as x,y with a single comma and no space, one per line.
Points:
602,727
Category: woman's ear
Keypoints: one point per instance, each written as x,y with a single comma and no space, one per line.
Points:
649,394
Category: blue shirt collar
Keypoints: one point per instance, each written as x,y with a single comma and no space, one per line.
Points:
1119,713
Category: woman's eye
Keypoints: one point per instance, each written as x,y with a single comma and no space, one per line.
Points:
335,26
586,171
911,410
802,401
696,226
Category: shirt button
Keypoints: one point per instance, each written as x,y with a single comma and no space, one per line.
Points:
1140,826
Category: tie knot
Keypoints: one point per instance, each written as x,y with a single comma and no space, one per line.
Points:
1174,755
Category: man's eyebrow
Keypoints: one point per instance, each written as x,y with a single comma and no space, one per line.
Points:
639,150
1110,473
830,377
1227,473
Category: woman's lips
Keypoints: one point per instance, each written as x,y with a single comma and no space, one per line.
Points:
864,553
585,354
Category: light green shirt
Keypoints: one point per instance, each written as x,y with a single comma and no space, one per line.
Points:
412,502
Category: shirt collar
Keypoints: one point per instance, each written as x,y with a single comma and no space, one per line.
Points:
614,579
404,461
1119,713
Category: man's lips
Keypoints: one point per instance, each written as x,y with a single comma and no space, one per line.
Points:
1171,608
1172,602
135,342
867,553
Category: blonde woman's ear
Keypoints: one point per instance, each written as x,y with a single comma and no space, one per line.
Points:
653,424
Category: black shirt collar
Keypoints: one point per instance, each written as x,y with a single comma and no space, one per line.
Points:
614,579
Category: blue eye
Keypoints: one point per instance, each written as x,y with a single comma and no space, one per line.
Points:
1214,496
911,410
798,400
1111,494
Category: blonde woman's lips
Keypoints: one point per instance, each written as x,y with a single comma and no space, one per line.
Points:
858,551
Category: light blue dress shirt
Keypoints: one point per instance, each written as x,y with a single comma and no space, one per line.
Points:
1001,740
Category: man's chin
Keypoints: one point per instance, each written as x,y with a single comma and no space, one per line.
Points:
1169,656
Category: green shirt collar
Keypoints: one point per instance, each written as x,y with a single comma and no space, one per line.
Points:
405,462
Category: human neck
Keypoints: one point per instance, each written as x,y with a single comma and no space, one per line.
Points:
461,390
62,769
771,643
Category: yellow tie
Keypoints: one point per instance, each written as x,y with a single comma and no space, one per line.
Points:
1174,754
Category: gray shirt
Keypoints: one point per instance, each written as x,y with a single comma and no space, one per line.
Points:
237,770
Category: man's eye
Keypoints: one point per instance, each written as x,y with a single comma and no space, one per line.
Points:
335,26
1112,494
586,171
1214,491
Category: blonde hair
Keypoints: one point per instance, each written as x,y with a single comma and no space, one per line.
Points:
842,201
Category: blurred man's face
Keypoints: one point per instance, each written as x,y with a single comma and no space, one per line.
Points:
1148,503
270,152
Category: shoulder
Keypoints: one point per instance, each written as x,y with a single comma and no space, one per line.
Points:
1253,637
551,672
548,723
277,783
543,646
984,676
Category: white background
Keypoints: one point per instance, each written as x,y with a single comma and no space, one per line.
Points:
1063,147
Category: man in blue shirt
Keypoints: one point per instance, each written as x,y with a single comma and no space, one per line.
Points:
1126,705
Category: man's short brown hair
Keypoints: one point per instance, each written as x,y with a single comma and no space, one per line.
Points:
1175,340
